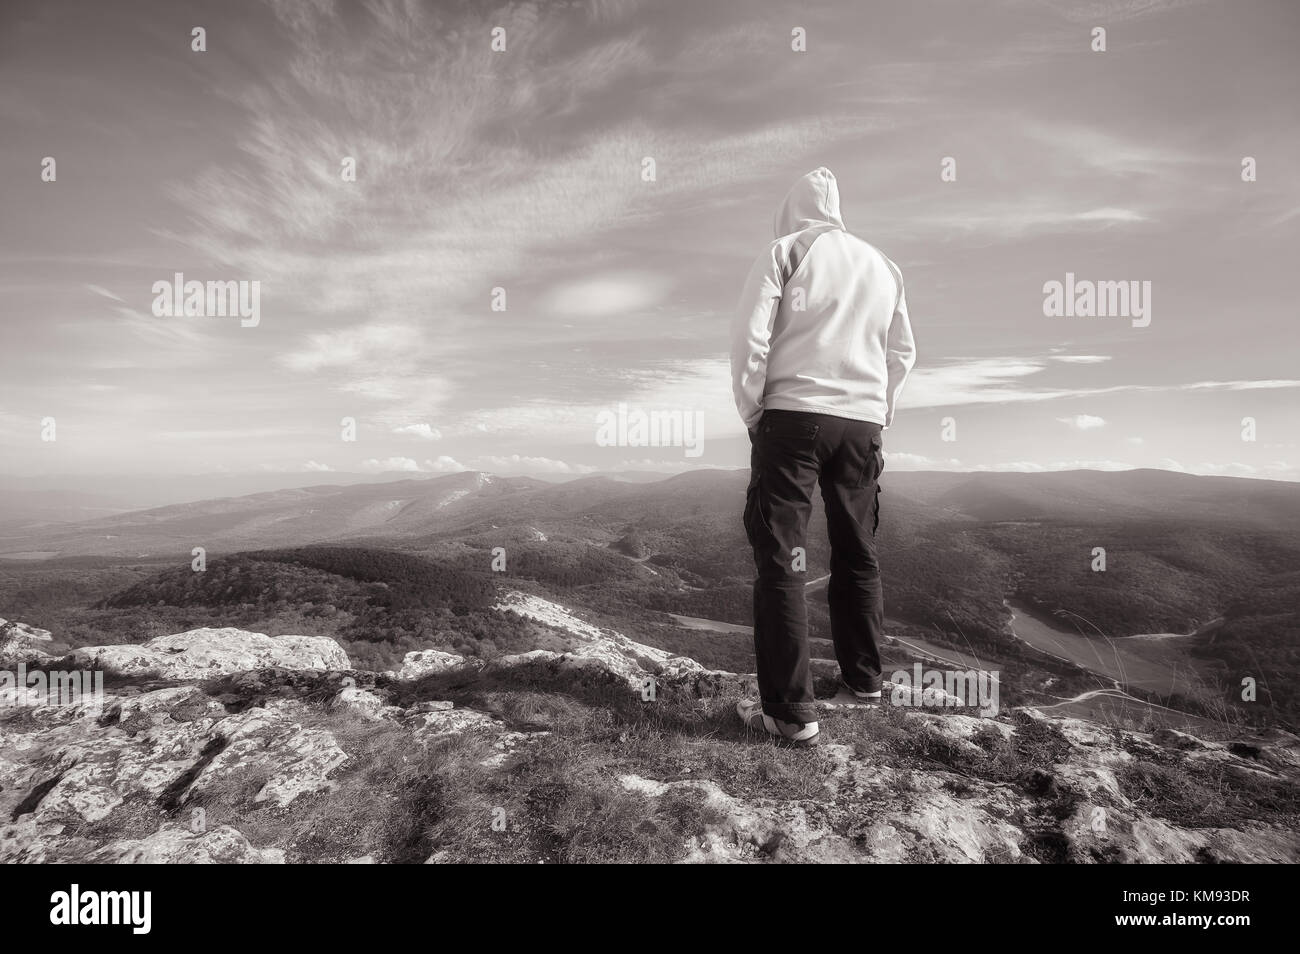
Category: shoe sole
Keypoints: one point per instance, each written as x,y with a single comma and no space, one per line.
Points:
845,687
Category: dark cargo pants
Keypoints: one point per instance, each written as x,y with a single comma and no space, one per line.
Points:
792,452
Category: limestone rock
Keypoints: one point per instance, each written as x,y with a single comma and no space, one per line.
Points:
204,653
300,745
175,845
362,702
594,646
424,662
21,641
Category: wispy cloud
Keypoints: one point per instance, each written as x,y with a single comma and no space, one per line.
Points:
1079,358
419,430
1012,379
1084,422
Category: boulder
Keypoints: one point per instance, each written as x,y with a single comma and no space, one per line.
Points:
21,641
207,652
595,646
424,662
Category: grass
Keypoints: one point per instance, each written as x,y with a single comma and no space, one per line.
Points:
1209,795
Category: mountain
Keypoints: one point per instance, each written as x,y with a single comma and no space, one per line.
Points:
411,508
47,497
279,517
1109,496
668,561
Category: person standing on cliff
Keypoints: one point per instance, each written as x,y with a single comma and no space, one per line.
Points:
820,347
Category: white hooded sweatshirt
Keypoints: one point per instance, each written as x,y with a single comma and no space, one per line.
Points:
822,324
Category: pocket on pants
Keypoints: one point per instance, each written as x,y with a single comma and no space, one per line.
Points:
756,526
789,428
873,462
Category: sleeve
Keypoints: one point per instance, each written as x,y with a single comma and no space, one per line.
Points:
900,352
751,335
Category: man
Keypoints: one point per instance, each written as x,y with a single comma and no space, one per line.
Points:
820,348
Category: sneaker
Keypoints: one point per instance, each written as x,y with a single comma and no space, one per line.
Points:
795,734
864,696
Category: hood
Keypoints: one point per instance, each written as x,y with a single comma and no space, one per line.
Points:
814,199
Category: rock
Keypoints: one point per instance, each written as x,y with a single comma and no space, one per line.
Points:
174,845
27,841
597,647
927,697
362,702
432,705
937,816
298,760
424,662
168,746
20,641
431,721
276,747
204,653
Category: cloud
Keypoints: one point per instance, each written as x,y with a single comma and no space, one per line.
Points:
973,381
444,465
1102,149
902,460
602,296
419,430
440,465
1083,422
657,465
1116,11
375,388
1016,217
376,465
227,434
1002,380
700,385
1110,214
392,272
516,464
356,348
1080,358
1269,384
105,293
312,465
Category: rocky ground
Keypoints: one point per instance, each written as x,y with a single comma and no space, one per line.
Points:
219,745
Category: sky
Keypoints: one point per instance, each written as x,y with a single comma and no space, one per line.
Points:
524,170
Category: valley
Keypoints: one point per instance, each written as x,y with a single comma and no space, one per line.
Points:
981,571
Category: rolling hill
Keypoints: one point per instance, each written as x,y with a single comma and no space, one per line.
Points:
1180,551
